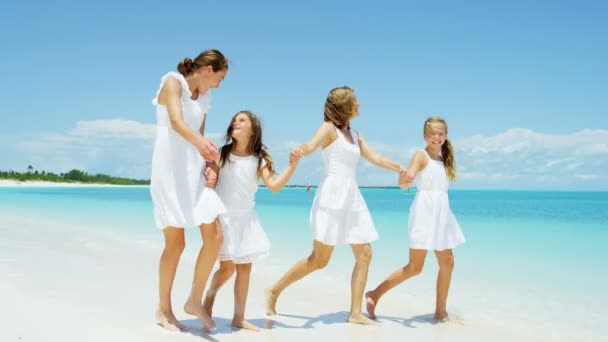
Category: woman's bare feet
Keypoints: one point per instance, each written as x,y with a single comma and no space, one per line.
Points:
370,305
243,324
441,316
168,321
271,302
360,319
196,309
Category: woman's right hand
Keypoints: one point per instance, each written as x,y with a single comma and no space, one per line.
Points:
208,150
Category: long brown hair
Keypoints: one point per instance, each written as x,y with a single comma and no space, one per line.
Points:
211,57
256,148
447,151
339,106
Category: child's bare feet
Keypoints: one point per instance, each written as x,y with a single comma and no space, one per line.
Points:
370,305
208,305
271,302
360,319
196,309
168,321
243,324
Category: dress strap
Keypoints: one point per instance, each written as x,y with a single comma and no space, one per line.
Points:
172,74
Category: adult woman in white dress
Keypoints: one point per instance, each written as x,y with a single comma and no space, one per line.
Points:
177,184
339,214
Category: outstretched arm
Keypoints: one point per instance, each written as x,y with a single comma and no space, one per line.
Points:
322,137
170,96
418,163
275,184
379,160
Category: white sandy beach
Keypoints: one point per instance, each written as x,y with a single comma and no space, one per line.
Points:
65,283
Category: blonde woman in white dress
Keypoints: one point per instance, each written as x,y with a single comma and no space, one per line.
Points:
243,162
177,184
339,214
431,224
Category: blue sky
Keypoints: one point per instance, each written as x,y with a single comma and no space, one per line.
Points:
522,84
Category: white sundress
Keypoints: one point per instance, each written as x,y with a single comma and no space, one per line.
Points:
339,214
177,182
244,238
431,224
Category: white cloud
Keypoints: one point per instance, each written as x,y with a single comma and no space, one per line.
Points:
114,128
516,158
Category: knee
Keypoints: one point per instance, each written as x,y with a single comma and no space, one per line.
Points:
416,268
175,248
317,262
226,269
365,256
447,264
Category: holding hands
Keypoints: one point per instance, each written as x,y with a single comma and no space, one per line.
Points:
208,150
405,176
210,172
295,155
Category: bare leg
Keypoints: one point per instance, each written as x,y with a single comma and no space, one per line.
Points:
414,267
174,246
363,256
318,259
445,259
212,241
220,278
241,287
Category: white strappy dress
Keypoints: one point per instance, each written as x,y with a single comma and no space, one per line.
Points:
177,182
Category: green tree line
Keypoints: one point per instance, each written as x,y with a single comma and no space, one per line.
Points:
72,176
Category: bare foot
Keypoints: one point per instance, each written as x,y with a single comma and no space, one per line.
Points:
370,305
360,319
271,302
243,324
168,321
208,305
195,309
441,316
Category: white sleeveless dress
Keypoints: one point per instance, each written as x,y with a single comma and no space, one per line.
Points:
431,223
339,214
177,182
244,238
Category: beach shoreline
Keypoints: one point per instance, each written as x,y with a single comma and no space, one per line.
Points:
18,183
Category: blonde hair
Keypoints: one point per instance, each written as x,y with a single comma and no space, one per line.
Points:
339,106
447,151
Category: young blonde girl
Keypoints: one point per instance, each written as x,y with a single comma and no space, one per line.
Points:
243,161
431,224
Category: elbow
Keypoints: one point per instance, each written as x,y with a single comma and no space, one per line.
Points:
274,189
175,124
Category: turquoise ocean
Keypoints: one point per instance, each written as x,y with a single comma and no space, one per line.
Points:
531,257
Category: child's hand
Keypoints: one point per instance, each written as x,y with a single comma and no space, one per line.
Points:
210,177
294,156
405,176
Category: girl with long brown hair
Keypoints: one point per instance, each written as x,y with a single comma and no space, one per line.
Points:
243,162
